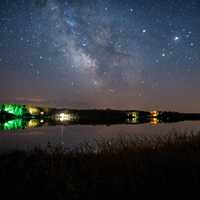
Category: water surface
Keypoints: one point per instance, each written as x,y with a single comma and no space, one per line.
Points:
71,136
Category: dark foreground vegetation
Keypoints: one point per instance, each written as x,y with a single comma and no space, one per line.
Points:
115,169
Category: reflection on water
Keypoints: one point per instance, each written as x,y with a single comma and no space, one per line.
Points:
13,116
23,134
66,120
69,129
13,124
155,121
20,124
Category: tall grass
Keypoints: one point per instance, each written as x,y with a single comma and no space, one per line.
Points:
105,169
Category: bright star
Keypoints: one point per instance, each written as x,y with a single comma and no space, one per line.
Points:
84,44
176,38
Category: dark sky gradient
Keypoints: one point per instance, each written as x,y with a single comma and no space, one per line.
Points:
141,54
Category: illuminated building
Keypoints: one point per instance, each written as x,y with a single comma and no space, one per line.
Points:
17,110
133,114
154,113
23,110
33,110
64,116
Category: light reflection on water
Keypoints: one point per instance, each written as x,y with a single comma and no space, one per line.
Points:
72,135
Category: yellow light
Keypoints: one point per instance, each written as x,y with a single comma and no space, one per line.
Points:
133,114
154,113
33,123
41,121
33,110
132,120
154,121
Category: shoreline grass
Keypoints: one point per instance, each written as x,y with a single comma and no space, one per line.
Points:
107,169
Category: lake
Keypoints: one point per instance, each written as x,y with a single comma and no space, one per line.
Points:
71,136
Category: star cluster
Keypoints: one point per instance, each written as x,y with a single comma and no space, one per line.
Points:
104,53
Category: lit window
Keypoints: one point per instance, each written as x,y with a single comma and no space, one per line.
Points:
64,117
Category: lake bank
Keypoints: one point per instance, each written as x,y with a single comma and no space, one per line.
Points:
113,168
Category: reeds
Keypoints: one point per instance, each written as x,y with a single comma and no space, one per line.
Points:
113,169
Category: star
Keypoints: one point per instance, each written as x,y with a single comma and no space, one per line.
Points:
93,46
176,38
191,44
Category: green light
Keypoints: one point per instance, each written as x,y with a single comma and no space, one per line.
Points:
17,110
13,124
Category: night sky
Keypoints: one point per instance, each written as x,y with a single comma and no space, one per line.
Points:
128,54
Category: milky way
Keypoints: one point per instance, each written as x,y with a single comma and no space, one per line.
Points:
97,54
